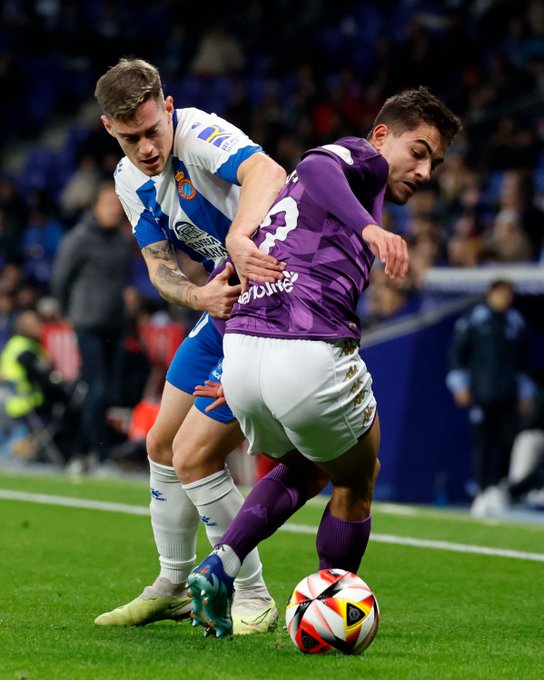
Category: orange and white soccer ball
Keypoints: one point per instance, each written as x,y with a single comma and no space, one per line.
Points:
332,610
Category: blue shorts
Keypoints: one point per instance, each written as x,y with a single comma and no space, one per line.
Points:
200,358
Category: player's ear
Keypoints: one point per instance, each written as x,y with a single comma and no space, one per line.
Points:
169,104
107,124
379,135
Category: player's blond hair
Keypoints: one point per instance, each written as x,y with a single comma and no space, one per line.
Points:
126,86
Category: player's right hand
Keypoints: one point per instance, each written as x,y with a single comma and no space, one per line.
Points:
211,390
390,248
251,263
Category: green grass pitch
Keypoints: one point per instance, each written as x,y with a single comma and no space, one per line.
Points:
444,613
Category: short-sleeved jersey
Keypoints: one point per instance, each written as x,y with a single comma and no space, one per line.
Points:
193,201
327,262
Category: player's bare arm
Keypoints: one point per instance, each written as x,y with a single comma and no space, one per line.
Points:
166,275
389,248
216,297
261,180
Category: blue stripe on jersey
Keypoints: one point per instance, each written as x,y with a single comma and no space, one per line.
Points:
146,231
228,171
154,224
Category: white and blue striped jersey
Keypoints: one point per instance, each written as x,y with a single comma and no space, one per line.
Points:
193,201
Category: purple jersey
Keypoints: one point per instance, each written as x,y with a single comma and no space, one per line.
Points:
315,227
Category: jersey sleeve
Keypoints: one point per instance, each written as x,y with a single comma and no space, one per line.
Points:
325,173
214,144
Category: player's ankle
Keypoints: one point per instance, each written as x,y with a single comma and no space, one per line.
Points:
230,560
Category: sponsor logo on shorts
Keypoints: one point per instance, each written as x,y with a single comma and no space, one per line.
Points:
357,386
361,397
368,415
256,292
349,347
351,372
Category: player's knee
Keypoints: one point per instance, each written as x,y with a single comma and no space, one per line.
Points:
317,482
186,459
192,468
179,459
159,449
196,461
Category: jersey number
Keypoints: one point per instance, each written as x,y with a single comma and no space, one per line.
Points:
199,325
288,206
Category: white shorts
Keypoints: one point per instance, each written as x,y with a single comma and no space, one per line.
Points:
309,395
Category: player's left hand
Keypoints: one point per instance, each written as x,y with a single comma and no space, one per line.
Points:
251,263
390,248
211,390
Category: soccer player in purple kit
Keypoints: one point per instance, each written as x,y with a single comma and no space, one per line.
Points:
292,372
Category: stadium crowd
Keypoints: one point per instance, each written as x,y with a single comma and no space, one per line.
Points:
293,76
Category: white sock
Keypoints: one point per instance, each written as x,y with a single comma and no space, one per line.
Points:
218,501
231,561
174,520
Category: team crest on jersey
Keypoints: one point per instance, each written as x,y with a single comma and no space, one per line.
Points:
186,189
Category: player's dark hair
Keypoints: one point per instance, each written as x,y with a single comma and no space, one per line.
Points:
126,86
408,109
500,283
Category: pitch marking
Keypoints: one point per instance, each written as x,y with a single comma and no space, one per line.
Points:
45,499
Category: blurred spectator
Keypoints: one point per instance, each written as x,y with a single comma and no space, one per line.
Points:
134,367
79,191
90,272
7,316
49,310
33,388
384,300
525,481
507,239
174,52
13,219
59,339
11,277
26,295
218,53
489,363
41,238
137,309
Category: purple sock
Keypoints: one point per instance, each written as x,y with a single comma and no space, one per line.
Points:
271,502
341,544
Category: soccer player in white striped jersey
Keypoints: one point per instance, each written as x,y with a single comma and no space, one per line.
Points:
190,180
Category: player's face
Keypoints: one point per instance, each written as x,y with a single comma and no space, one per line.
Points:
148,138
412,156
500,298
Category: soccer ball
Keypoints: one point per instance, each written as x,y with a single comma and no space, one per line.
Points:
332,610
